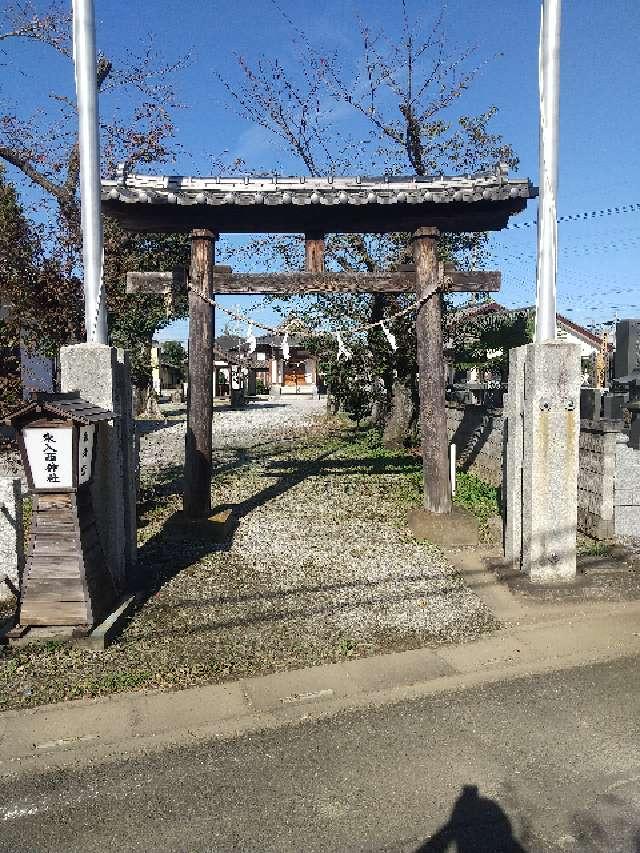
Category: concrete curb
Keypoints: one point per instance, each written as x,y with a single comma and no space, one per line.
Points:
106,729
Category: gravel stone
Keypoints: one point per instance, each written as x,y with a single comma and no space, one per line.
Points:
258,422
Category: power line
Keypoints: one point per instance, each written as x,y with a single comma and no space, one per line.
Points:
584,215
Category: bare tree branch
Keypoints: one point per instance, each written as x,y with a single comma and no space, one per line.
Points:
21,161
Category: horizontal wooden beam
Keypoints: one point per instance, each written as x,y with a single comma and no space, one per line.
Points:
312,282
352,282
471,282
227,282
156,282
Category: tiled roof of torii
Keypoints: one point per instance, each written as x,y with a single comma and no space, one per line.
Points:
483,201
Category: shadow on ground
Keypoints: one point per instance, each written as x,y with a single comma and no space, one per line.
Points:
176,547
476,825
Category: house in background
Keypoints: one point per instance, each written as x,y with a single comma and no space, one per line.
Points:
166,378
267,372
590,343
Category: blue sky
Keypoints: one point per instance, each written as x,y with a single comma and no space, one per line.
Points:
600,112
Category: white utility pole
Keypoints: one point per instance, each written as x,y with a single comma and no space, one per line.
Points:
549,81
84,51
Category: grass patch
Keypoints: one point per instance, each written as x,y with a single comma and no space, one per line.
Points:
475,495
472,493
594,548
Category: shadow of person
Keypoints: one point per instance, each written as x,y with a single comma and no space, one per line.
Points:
476,825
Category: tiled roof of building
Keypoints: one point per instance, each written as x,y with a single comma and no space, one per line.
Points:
275,190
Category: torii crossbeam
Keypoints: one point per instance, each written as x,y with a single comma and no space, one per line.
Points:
426,207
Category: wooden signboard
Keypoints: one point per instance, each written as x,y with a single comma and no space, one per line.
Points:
66,580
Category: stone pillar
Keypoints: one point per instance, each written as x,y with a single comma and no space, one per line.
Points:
100,374
251,382
513,437
550,460
11,536
130,448
155,369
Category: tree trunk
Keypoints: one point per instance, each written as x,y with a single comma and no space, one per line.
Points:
383,402
399,425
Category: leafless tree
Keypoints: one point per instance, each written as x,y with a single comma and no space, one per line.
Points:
400,111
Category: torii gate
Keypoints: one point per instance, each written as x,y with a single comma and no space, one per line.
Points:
426,207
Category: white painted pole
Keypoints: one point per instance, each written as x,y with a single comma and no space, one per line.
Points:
84,51
452,459
549,81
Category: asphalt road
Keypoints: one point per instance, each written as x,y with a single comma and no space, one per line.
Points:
550,762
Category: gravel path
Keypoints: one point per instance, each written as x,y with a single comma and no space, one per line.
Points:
320,568
260,421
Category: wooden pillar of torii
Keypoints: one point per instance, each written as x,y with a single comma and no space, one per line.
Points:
314,252
430,356
198,457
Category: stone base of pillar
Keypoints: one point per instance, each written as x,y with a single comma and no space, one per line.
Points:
550,447
453,529
100,374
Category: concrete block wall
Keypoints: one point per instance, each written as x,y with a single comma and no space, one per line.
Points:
609,482
597,477
608,476
627,489
477,434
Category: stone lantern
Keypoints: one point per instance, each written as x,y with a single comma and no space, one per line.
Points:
66,580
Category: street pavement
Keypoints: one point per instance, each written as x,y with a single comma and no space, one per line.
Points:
545,762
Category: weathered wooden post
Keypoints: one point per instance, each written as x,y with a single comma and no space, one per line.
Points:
197,463
314,252
430,350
